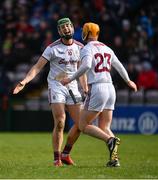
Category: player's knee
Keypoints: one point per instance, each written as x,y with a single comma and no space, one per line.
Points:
60,125
76,127
81,126
59,116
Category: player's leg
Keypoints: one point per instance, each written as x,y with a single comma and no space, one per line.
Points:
86,127
92,130
58,111
105,120
57,99
74,111
97,102
93,106
73,134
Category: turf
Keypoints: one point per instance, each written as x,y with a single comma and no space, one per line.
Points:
29,155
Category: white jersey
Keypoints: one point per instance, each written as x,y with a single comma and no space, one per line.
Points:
100,58
62,58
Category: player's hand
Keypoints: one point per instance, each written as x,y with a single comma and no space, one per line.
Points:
19,87
65,81
61,76
132,85
85,89
84,95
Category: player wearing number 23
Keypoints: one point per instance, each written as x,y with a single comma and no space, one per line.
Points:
97,60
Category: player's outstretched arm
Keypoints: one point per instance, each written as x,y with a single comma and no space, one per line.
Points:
132,85
30,75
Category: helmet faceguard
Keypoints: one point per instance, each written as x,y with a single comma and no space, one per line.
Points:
62,22
91,29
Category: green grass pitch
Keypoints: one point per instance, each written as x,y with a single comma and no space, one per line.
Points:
29,155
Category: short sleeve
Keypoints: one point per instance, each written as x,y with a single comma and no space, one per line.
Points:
47,53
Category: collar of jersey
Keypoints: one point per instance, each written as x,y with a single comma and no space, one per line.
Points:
66,44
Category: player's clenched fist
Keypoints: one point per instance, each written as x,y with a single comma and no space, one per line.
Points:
65,81
19,87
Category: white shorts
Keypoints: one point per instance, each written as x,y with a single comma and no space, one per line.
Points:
57,93
100,96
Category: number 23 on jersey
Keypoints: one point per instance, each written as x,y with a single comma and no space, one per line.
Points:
103,62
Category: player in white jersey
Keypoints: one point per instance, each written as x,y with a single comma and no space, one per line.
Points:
64,58
97,60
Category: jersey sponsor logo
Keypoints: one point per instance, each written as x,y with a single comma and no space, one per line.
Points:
148,123
62,61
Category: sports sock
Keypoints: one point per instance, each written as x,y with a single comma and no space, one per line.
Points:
67,149
56,155
109,140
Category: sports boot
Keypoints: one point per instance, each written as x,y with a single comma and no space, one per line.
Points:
113,148
66,159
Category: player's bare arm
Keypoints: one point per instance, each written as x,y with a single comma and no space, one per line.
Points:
83,81
30,75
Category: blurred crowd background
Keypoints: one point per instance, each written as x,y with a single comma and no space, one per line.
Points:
129,27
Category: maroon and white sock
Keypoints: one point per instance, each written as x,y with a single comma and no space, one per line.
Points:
67,149
56,155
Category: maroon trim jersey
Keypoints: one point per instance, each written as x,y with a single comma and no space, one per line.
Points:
62,58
